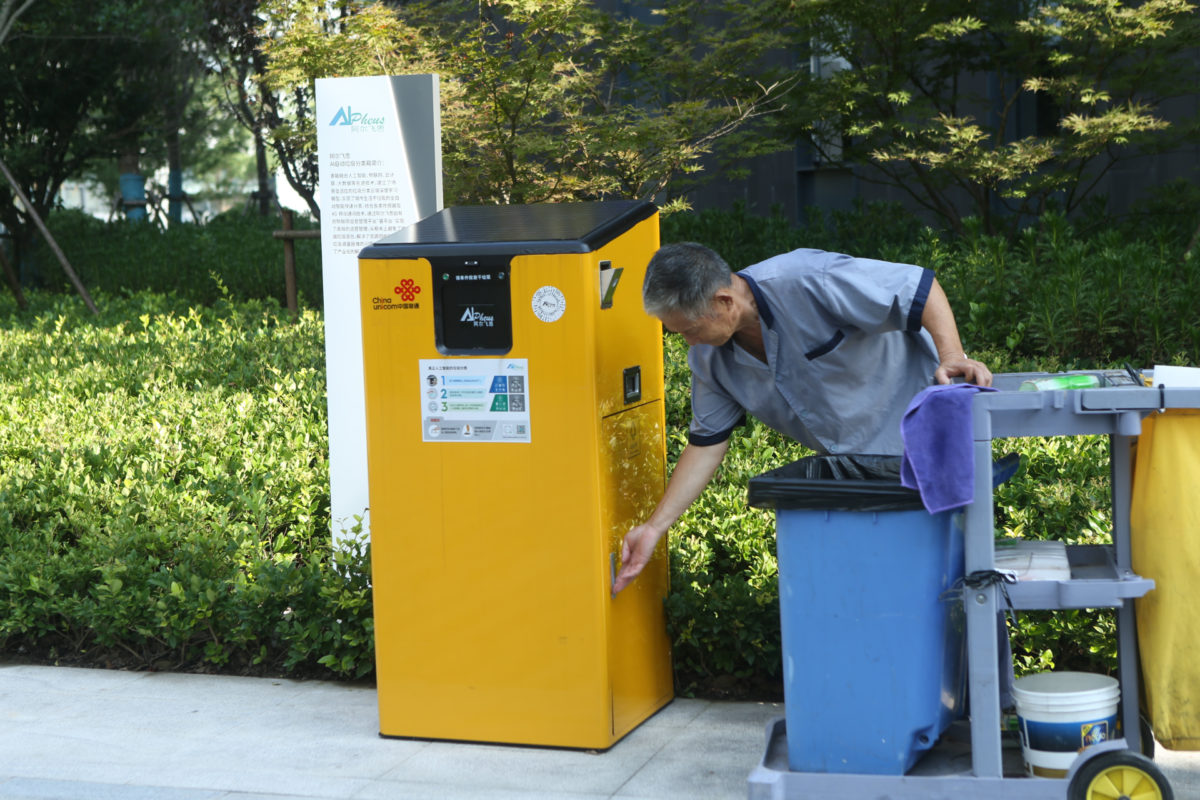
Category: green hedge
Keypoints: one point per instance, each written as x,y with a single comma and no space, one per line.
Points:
236,251
164,490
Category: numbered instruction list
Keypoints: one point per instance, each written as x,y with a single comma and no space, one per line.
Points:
475,400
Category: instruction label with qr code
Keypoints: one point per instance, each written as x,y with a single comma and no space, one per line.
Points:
475,400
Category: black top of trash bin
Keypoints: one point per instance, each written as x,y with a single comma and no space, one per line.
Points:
835,483
513,230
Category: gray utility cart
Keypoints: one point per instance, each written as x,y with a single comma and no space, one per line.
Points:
973,759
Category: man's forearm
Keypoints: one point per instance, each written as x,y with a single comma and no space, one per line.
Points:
938,319
695,468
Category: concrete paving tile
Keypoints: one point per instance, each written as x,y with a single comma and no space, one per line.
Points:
40,789
268,796
426,791
94,734
687,778
678,713
738,731
710,758
262,693
696,765
27,677
226,764
81,772
141,754
278,781
1182,771
317,759
256,759
78,757
273,796
647,739
351,692
208,691
25,698
499,768
738,715
122,704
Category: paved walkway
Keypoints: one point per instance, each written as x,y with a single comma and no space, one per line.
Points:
85,734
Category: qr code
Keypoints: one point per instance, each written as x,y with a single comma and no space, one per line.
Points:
516,402
516,383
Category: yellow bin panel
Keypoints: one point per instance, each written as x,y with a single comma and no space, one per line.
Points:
638,648
492,561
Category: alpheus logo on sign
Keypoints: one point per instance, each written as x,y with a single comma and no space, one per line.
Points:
357,120
477,319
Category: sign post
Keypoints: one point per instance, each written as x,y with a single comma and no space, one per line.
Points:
380,160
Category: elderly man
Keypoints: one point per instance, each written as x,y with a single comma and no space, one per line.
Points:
825,348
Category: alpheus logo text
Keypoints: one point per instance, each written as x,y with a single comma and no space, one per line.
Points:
357,119
478,318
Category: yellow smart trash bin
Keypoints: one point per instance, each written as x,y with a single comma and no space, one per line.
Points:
1165,545
514,405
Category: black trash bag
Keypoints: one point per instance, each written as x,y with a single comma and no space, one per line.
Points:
835,483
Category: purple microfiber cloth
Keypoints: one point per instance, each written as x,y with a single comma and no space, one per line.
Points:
939,460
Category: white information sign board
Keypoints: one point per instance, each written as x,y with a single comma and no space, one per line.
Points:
380,160
475,400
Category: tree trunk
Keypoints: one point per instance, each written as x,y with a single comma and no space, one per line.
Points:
175,196
266,190
13,282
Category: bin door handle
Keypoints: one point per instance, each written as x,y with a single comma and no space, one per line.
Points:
612,571
609,277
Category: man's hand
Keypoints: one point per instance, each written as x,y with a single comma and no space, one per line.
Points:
636,551
959,366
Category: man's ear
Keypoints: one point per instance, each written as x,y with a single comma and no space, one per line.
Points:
723,299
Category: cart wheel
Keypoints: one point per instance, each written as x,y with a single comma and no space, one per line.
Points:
1120,775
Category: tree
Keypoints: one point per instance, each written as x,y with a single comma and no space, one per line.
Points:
994,108
185,70
52,122
234,44
212,152
9,11
158,110
155,81
542,99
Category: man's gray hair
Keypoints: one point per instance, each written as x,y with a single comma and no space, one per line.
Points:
683,278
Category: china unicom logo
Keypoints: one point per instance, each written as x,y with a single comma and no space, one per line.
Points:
407,290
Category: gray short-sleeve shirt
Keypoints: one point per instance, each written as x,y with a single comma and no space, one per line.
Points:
845,355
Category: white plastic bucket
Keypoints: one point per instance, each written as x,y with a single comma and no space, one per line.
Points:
1060,713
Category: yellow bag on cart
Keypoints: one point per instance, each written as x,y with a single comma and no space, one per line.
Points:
1165,538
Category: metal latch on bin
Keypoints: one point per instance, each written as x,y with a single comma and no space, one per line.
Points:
631,379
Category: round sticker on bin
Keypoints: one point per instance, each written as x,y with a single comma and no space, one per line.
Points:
549,304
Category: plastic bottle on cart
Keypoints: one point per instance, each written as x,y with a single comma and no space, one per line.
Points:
1060,382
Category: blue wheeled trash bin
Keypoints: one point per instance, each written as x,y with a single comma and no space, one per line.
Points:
873,638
